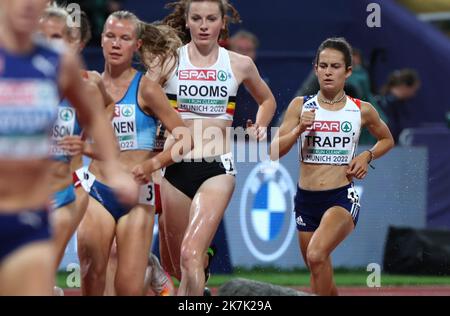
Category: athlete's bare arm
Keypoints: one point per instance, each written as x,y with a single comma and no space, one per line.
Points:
371,119
107,107
77,145
258,89
77,92
294,124
161,73
154,101
95,77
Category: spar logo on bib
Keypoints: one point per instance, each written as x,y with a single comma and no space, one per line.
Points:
266,220
222,75
326,126
124,110
66,115
198,75
127,110
346,127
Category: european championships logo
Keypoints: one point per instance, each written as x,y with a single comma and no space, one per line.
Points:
266,211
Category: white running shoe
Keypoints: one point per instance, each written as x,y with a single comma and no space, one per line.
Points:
158,279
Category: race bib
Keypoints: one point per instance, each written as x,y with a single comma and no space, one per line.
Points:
203,106
87,178
64,126
124,123
147,194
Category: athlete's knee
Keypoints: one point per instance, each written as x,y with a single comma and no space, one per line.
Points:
191,258
90,268
316,258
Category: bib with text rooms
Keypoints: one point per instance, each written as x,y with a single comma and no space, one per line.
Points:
208,98
203,92
334,135
124,123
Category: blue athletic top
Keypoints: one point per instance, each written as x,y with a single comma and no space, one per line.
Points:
66,125
134,129
29,100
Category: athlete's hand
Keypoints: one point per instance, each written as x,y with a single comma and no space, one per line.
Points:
306,120
358,167
72,145
255,131
122,183
142,172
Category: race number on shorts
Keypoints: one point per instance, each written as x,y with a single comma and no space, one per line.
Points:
147,194
87,178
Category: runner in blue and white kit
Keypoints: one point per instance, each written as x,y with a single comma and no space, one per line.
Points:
68,144
31,76
140,102
327,127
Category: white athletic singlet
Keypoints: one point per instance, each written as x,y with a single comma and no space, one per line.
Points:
203,93
334,135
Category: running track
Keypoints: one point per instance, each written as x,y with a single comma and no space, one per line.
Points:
358,291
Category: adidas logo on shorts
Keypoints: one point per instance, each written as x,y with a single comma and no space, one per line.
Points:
300,221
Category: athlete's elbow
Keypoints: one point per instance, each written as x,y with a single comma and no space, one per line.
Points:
390,143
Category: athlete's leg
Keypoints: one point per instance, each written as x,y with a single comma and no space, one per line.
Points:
81,203
164,254
66,220
335,226
61,220
207,209
303,240
110,289
176,206
95,236
29,270
134,234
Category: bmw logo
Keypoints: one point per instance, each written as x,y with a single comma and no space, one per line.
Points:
266,218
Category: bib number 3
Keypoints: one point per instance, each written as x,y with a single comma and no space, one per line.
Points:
147,194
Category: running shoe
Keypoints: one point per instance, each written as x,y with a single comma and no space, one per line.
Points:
159,280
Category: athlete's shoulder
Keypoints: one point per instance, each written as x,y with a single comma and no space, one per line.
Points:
95,77
91,86
240,59
367,108
297,104
309,102
307,98
147,87
358,102
298,100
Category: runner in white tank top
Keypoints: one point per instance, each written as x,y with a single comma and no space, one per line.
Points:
203,92
203,89
327,127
